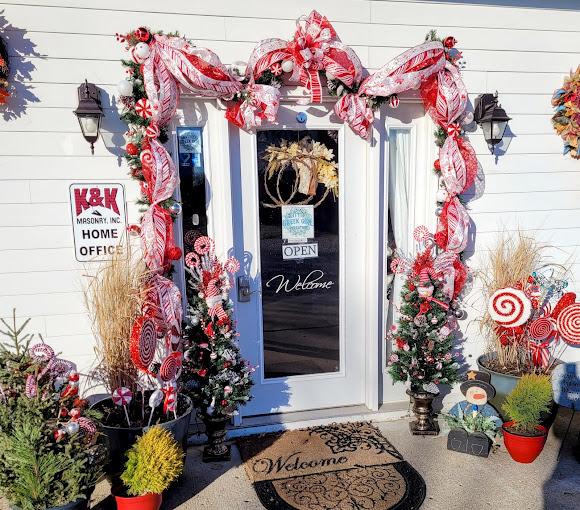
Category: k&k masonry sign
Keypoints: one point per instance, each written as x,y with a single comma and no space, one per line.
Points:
99,220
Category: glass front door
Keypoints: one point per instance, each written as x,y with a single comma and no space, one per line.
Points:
302,229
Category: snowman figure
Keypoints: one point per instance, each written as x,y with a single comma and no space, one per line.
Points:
477,390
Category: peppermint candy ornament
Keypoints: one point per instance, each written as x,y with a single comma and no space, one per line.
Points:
143,108
87,426
203,245
143,342
152,130
41,352
122,397
541,328
509,307
568,324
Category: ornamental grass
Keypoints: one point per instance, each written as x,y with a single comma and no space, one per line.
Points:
114,302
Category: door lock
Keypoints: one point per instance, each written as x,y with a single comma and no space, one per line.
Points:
244,291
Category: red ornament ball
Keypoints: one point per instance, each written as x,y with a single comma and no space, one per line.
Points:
132,149
142,34
449,42
224,403
437,165
174,253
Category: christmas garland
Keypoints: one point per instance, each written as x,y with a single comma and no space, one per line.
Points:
4,73
566,119
163,64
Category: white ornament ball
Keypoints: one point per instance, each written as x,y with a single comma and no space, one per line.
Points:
195,320
438,211
125,88
287,66
441,195
175,208
142,50
72,427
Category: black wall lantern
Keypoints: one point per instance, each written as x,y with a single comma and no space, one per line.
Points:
491,117
89,112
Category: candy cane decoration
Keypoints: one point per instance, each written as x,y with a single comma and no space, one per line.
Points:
509,307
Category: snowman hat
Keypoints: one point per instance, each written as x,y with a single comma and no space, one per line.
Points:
480,380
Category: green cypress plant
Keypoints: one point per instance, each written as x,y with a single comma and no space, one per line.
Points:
528,400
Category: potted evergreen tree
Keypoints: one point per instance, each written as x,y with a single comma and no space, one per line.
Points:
154,461
214,374
423,337
524,436
51,455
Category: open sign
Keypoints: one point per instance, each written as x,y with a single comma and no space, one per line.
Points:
300,251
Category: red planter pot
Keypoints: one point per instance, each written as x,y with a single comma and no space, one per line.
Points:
524,449
146,502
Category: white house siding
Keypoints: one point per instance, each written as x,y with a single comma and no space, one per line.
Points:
521,51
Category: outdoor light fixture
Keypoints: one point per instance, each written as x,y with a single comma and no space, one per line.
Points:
491,117
89,112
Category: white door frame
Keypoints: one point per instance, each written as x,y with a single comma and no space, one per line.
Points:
217,141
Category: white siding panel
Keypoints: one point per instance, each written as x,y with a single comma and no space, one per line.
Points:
521,52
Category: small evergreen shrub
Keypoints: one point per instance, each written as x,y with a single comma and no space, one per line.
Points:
153,463
528,400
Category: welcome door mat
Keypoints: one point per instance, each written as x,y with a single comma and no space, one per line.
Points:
348,466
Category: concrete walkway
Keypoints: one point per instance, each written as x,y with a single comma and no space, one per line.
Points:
454,481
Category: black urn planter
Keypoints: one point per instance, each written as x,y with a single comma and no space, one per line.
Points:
122,438
215,428
474,443
78,504
425,424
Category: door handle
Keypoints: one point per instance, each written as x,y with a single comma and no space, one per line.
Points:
244,291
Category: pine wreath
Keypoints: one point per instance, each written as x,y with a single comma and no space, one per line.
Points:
4,71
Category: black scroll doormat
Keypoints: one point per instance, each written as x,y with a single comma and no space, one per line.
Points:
348,466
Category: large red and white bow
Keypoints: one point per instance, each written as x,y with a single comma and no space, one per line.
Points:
355,111
261,103
540,353
316,47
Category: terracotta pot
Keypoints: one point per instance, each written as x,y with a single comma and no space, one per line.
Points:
524,449
145,502
425,424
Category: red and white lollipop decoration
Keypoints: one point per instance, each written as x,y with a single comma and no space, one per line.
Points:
170,367
143,342
568,324
541,328
509,307
143,108
122,397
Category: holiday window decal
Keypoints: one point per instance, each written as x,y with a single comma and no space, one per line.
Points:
161,65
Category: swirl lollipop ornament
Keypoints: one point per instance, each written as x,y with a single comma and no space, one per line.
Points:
122,397
568,324
509,307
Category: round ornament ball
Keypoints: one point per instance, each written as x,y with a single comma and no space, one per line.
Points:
194,320
394,101
287,66
175,208
132,149
459,314
125,88
72,427
441,195
438,211
142,50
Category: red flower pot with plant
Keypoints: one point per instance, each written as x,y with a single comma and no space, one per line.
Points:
524,437
153,463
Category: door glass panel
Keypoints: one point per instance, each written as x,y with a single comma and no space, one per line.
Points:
192,184
299,250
